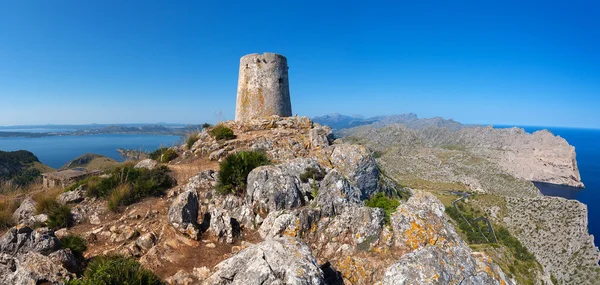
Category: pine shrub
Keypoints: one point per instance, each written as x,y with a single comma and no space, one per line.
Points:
234,170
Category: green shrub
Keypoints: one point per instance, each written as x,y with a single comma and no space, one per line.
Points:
46,205
384,202
234,170
206,126
127,185
192,138
312,173
221,132
116,269
77,245
163,154
60,217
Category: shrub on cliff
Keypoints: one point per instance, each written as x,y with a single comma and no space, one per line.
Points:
221,132
116,269
384,202
234,170
163,154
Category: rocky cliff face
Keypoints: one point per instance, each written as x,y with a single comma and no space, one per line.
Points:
555,231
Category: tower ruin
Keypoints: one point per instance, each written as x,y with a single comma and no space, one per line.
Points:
263,87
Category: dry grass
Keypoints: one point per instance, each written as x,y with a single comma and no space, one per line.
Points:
46,199
8,205
116,196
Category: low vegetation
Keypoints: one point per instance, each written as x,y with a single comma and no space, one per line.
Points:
191,138
127,185
206,126
312,173
234,170
518,262
220,132
116,269
388,204
7,208
163,154
77,245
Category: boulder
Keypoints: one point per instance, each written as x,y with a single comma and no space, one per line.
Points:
183,214
25,211
321,136
74,196
450,265
357,164
217,154
18,240
274,261
32,268
223,226
336,192
147,163
421,222
278,187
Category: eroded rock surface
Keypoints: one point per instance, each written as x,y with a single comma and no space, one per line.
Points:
274,261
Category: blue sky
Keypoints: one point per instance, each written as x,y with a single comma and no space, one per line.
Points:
500,62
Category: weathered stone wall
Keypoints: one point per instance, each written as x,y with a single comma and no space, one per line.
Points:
263,87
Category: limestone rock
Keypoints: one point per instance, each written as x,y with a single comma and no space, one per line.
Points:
336,192
421,222
223,226
32,268
277,187
146,241
321,136
274,261
25,211
217,154
183,214
357,164
74,196
18,240
441,266
147,163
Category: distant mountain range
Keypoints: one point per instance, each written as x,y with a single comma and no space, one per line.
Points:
338,121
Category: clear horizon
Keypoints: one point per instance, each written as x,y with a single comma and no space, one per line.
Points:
524,63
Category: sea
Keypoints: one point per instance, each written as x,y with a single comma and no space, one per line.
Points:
587,147
56,151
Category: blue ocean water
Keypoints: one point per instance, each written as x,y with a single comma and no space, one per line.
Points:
587,147
55,151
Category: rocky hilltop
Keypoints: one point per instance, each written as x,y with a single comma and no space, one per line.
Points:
321,212
499,165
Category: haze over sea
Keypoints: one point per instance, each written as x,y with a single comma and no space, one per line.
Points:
587,147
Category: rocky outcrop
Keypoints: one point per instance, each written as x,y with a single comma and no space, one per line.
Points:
555,231
277,187
32,256
147,164
183,214
274,261
434,249
70,197
336,192
357,164
434,265
25,211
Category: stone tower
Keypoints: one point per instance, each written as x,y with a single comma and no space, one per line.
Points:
263,87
